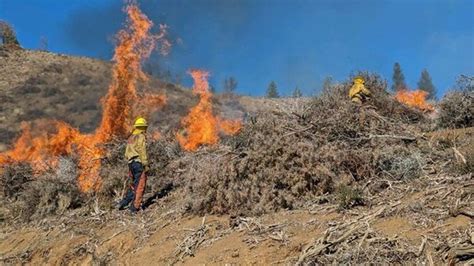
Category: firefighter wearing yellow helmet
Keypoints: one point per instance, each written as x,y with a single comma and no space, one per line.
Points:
136,155
358,92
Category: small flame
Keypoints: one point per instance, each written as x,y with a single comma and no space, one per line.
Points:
156,135
415,99
135,43
230,127
201,125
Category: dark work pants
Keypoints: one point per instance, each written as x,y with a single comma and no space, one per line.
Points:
135,192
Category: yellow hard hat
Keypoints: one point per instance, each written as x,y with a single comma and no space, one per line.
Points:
140,122
359,79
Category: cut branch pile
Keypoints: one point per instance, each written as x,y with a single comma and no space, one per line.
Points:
191,243
301,150
258,231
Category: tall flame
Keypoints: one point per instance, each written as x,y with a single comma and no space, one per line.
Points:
415,99
135,43
200,124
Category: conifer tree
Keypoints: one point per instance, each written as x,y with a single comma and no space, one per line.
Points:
398,78
230,85
426,84
272,91
297,93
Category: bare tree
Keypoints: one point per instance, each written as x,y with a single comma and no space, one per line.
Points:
43,45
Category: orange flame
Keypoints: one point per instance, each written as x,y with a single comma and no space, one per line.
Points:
415,99
230,127
119,105
201,125
135,44
41,151
156,135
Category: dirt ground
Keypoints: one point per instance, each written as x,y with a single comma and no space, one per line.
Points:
162,235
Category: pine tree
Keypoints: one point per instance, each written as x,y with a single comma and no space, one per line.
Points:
398,78
426,84
272,91
212,89
297,93
230,85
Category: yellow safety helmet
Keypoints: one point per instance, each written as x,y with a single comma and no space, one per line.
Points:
359,79
140,122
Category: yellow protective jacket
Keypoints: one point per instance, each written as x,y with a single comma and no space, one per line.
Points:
357,90
136,148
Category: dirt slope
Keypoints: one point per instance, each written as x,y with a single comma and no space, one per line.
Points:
162,236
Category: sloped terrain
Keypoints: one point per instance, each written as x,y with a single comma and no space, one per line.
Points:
306,181
42,85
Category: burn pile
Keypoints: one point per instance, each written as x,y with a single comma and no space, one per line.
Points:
202,127
287,158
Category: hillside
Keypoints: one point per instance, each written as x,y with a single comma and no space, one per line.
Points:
42,85
304,181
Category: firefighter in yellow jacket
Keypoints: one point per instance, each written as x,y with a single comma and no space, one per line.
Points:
137,158
358,92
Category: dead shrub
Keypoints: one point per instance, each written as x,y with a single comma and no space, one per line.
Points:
6,134
66,169
33,114
82,105
36,197
30,196
81,80
54,68
400,164
464,161
13,179
46,196
114,184
456,110
28,89
8,36
51,91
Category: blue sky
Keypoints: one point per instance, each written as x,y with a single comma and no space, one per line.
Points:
293,42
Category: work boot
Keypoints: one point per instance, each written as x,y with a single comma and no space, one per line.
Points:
121,206
133,210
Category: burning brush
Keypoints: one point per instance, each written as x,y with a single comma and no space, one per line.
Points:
201,126
135,43
415,99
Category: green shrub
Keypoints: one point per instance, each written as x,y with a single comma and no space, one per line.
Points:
349,197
